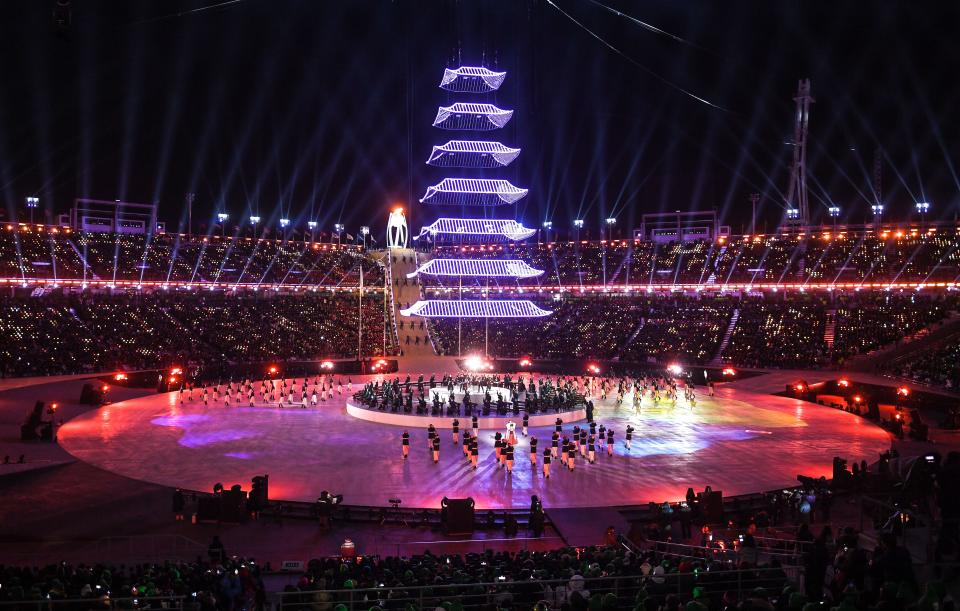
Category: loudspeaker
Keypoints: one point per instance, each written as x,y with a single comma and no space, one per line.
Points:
232,505
259,493
91,395
713,506
208,509
459,516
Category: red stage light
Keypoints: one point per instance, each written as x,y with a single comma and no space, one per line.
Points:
525,362
593,368
326,365
176,371
799,387
272,370
729,371
857,398
104,388
843,383
903,391
120,377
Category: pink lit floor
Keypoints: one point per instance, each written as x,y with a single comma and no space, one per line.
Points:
738,442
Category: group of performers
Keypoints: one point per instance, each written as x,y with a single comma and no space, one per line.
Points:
587,442
530,396
660,389
281,392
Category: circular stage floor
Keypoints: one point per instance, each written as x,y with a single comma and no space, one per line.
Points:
737,442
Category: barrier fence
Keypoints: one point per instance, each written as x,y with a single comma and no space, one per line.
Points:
524,594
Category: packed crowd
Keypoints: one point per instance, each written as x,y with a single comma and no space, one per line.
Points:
59,334
37,254
229,583
771,330
889,257
939,367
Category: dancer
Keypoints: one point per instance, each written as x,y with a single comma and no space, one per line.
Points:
406,444
526,424
629,435
591,449
533,452
546,463
610,442
509,457
456,431
436,449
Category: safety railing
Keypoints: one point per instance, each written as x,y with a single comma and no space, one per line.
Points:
102,602
524,594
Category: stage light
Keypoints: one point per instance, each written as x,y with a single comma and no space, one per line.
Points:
611,221
104,388
903,391
525,362
33,202
476,363
176,371
923,207
548,225
834,211
326,365
593,368
284,223
729,371
578,223
338,227
173,379
793,213
877,209
843,383
857,398
272,370
675,369
120,377
799,386
254,220
222,216
365,230
312,224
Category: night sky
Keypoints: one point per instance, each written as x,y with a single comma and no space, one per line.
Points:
322,109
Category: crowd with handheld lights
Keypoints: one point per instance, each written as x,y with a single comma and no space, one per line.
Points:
45,255
820,260
60,333
766,330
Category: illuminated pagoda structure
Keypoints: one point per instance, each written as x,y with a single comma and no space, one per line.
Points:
486,229
486,193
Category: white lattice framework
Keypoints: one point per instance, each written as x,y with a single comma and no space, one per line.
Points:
471,116
473,192
480,268
471,79
485,228
472,154
470,308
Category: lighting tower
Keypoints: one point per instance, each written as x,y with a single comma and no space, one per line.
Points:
488,194
797,191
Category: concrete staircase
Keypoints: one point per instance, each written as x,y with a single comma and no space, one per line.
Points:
412,332
718,356
829,331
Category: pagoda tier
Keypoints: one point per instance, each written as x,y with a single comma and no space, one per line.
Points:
473,192
482,229
469,308
471,116
472,154
471,79
481,268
